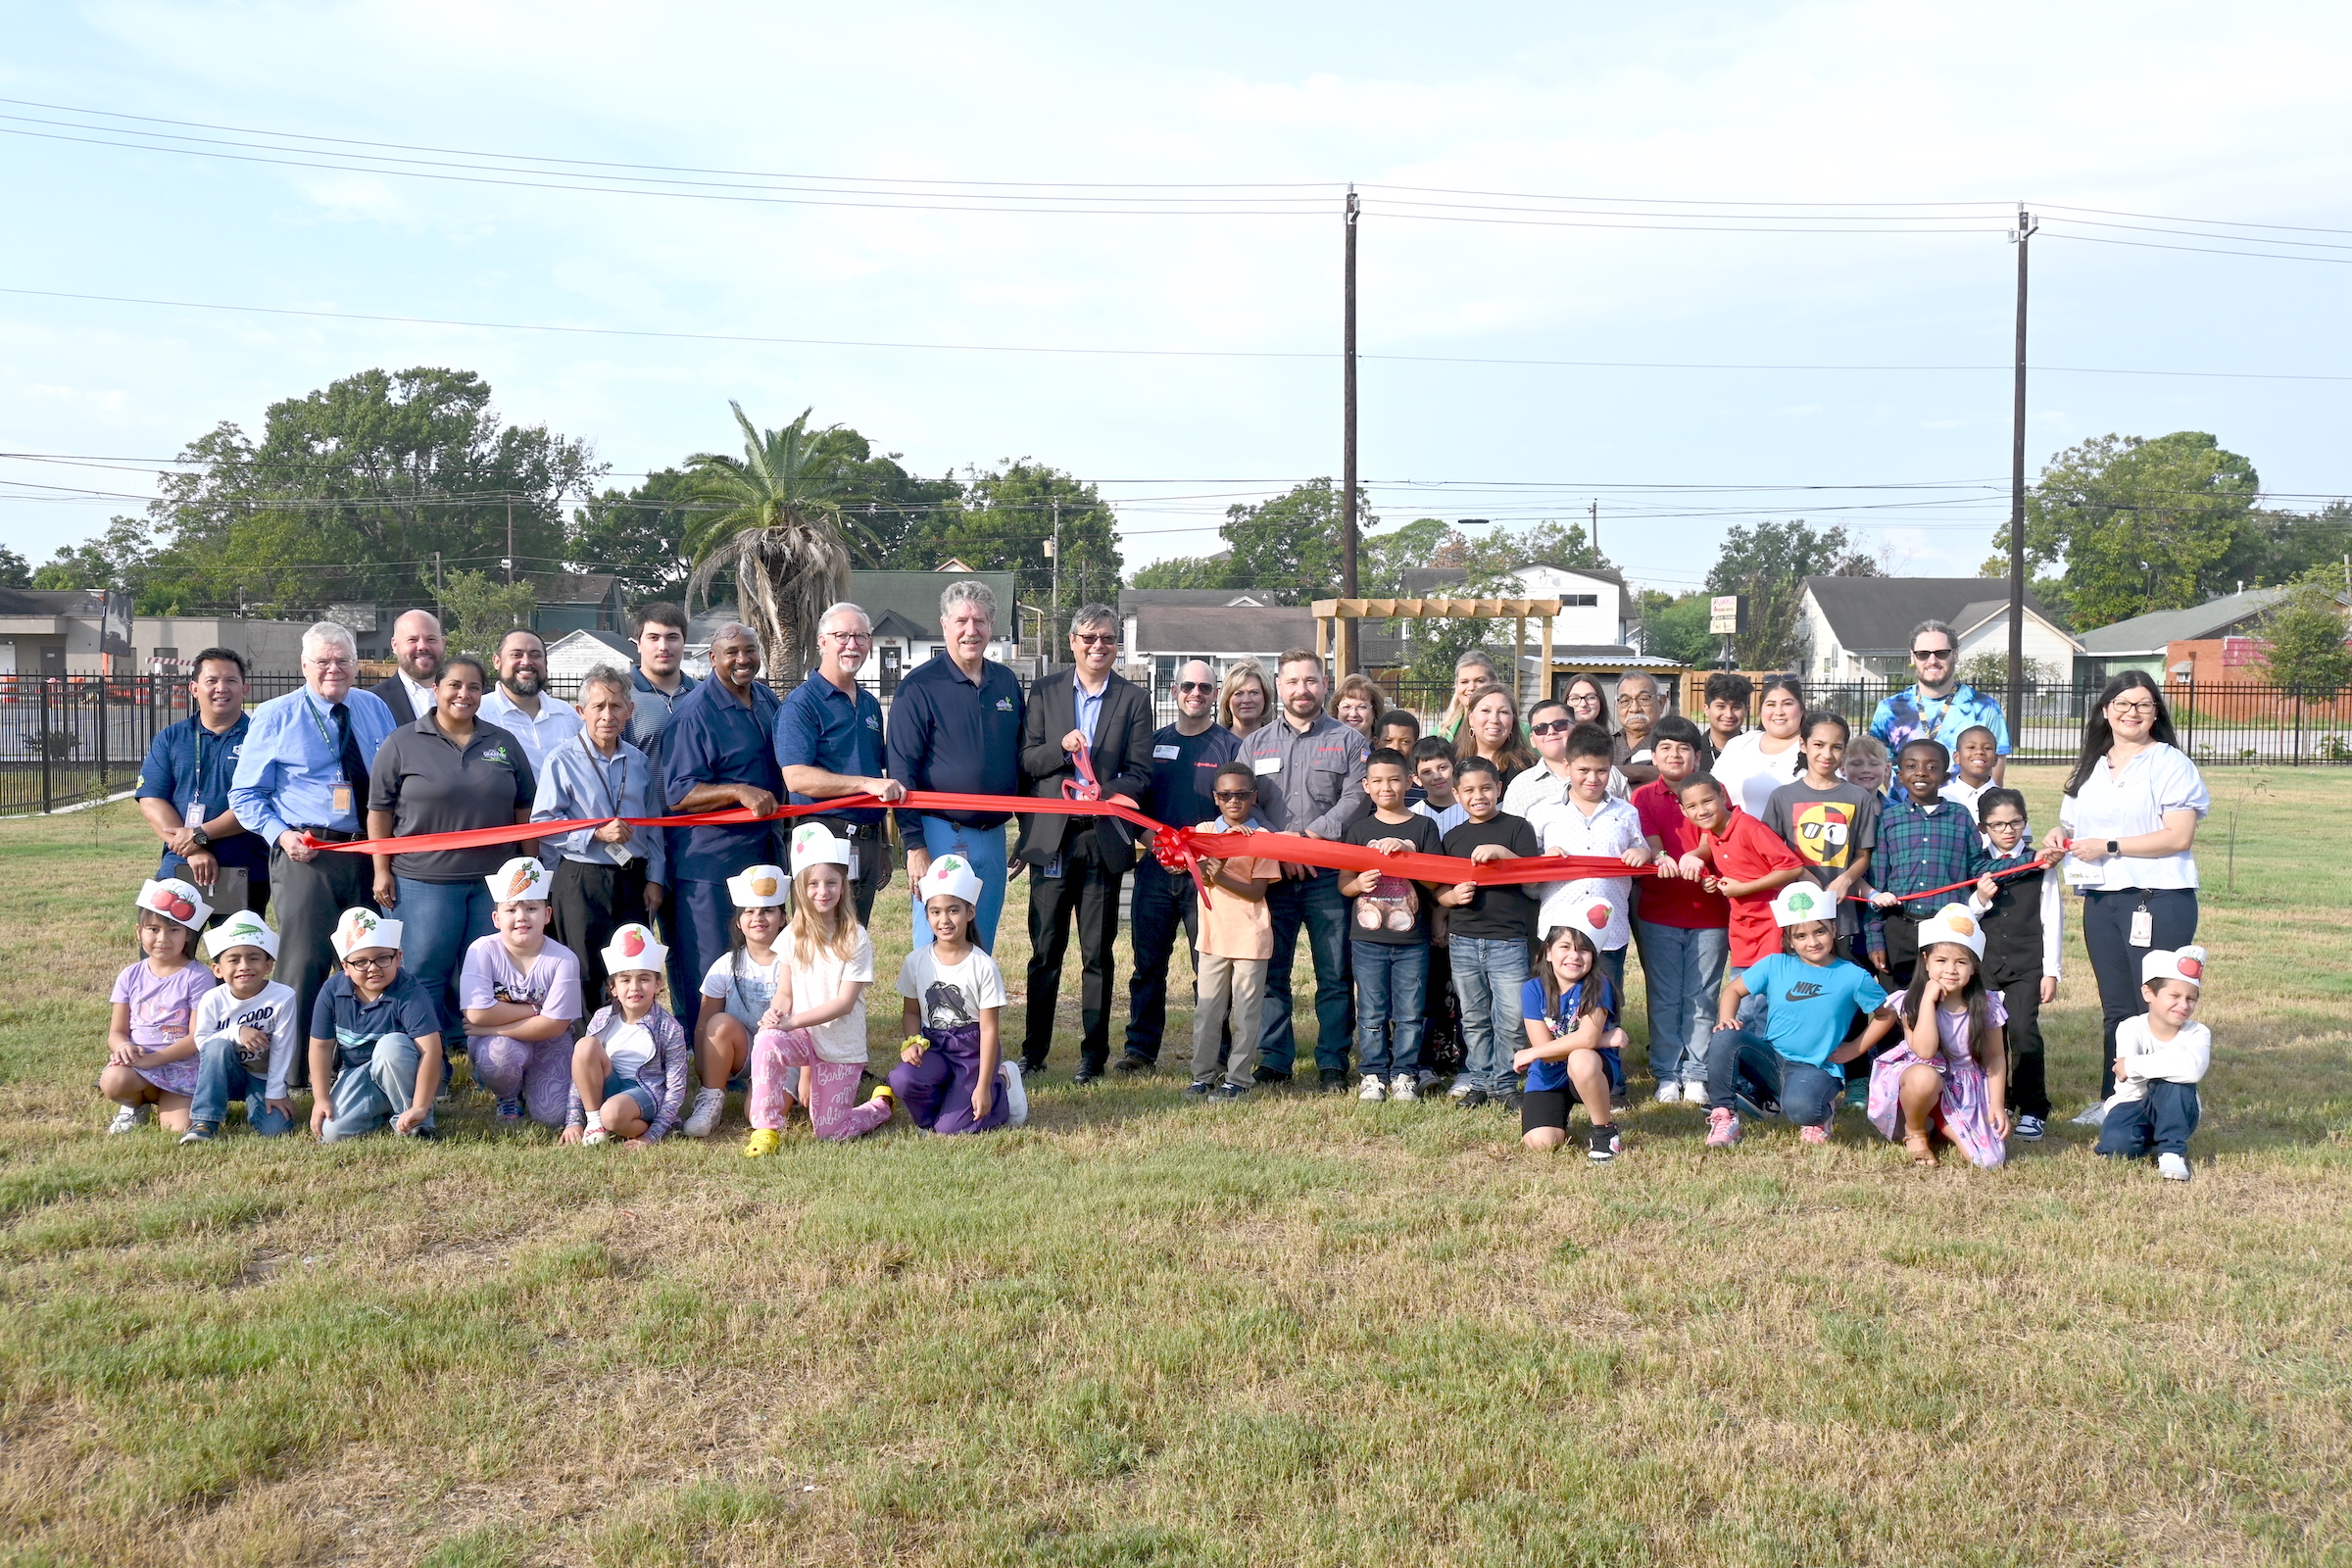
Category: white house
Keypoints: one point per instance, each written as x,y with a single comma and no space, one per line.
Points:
1593,606
1859,629
1165,628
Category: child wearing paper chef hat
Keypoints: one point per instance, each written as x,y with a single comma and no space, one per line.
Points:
628,1072
1569,1005
376,1038
150,1060
952,1076
1946,1077
739,994
2160,1057
521,995
246,1031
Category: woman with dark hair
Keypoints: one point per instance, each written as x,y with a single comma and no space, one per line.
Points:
1588,702
2127,829
1491,729
1756,762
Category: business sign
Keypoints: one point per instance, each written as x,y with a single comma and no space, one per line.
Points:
1727,614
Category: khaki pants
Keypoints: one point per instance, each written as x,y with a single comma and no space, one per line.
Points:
1238,985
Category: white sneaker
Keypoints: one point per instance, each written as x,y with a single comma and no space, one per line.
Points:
1670,1093
1697,1093
1401,1087
1460,1090
129,1119
2096,1116
1372,1089
595,1135
1015,1093
709,1105
2172,1168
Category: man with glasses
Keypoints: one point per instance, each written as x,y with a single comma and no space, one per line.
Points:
829,744
1640,706
1940,708
1076,866
303,775
1185,758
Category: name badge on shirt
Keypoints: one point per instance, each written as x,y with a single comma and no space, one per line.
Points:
342,800
1267,765
1163,753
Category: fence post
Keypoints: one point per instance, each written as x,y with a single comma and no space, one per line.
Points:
105,773
2190,713
48,798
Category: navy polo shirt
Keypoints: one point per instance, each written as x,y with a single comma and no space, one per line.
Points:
715,738
190,767
1184,775
821,726
956,736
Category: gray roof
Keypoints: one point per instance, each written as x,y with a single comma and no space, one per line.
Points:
915,595
1876,615
52,602
1218,631
2148,633
1130,598
610,639
1434,582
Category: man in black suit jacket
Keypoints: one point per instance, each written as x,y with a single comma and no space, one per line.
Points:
418,648
1075,867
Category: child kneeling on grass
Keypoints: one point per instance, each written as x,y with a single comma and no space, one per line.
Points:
2160,1058
375,1039
1570,1010
150,1058
521,995
739,994
628,1071
1237,940
951,1076
829,962
1810,997
245,1031
1948,1076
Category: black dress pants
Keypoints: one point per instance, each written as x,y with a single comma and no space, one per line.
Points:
591,901
311,897
1088,889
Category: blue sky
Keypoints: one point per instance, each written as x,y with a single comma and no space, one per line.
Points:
2226,114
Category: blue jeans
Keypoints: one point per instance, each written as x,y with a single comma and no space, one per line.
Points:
367,1094
984,847
1316,904
1392,979
1742,1065
1164,903
2162,1124
220,1077
438,922
1488,976
1683,972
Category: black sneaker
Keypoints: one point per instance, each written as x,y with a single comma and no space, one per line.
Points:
1514,1100
1476,1097
1334,1081
1224,1094
1086,1075
1271,1077
1602,1146
1126,1066
1198,1090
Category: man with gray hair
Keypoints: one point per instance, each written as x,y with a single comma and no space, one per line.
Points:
956,728
829,744
1941,706
302,776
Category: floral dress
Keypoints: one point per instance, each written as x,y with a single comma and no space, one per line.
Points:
1964,1113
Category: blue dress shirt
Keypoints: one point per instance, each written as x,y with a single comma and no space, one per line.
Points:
577,780
292,762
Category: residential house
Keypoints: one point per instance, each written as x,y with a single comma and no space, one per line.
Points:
578,601
1591,635
2216,641
1166,628
1859,629
570,657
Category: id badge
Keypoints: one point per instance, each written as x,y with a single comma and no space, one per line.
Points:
2143,928
342,800
1267,765
853,860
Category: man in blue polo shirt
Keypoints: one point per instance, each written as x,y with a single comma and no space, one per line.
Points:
829,744
184,791
956,728
719,754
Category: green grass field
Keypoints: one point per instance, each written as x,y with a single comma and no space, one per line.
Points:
1295,1331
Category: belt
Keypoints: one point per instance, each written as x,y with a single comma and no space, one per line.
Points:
329,835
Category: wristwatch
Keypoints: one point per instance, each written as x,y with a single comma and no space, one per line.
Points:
202,838
2114,846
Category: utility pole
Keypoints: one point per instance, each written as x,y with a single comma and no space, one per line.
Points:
1594,538
2017,500
1054,619
509,541
1348,579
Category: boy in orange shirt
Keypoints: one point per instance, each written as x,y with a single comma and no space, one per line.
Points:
1237,938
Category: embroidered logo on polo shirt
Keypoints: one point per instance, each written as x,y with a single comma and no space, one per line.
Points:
497,753
874,721
1003,704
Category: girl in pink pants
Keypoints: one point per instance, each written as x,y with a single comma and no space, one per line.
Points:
820,1007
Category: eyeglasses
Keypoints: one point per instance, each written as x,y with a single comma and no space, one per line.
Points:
1094,639
1202,686
851,636
382,961
1549,727
1236,794
1922,656
2119,705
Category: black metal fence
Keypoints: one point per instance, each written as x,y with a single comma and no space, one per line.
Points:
69,740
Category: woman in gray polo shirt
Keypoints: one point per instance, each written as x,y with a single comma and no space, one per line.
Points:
444,773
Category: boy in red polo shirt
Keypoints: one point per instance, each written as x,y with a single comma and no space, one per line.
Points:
1741,859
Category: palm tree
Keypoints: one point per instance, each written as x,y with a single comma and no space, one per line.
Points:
775,522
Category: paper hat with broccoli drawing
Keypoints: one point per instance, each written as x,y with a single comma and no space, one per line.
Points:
243,929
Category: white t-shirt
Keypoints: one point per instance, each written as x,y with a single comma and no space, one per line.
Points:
951,994
2183,1059
632,1046
1744,768
2158,780
746,985
841,1039
272,1010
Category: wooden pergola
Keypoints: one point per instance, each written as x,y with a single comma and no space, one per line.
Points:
1329,612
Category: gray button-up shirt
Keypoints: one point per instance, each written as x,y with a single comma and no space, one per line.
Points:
577,780
1311,782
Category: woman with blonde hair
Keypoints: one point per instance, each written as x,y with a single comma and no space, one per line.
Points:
1246,700
1472,671
1491,729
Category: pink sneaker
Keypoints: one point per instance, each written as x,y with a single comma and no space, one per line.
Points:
1723,1128
1814,1135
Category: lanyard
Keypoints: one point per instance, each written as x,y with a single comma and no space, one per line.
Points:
309,706
596,765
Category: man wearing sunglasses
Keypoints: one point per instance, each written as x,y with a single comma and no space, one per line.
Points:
1075,866
1185,758
1940,708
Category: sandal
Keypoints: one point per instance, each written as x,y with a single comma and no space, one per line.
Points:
1920,1151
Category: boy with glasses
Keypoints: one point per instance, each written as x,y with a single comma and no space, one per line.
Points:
375,1039
2025,933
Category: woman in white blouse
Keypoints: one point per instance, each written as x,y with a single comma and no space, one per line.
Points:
2126,829
1756,762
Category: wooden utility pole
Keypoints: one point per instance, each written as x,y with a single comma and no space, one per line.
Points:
2017,502
509,541
1594,538
1347,580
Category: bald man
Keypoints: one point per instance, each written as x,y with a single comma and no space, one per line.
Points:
418,648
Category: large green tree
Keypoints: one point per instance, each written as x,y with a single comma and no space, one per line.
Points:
1676,627
639,535
1004,521
1769,564
2143,524
2303,649
14,571
1287,547
1492,560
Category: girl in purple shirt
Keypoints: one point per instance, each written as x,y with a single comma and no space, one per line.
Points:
150,1054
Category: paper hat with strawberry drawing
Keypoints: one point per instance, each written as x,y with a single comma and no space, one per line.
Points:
175,900
763,887
243,929
361,929
953,875
2180,964
1954,922
520,878
634,947
812,845
1800,902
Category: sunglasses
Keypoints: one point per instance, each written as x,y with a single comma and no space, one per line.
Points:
1549,727
1094,639
1236,794
1923,655
1196,685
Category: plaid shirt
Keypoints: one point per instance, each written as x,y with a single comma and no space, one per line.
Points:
1919,849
